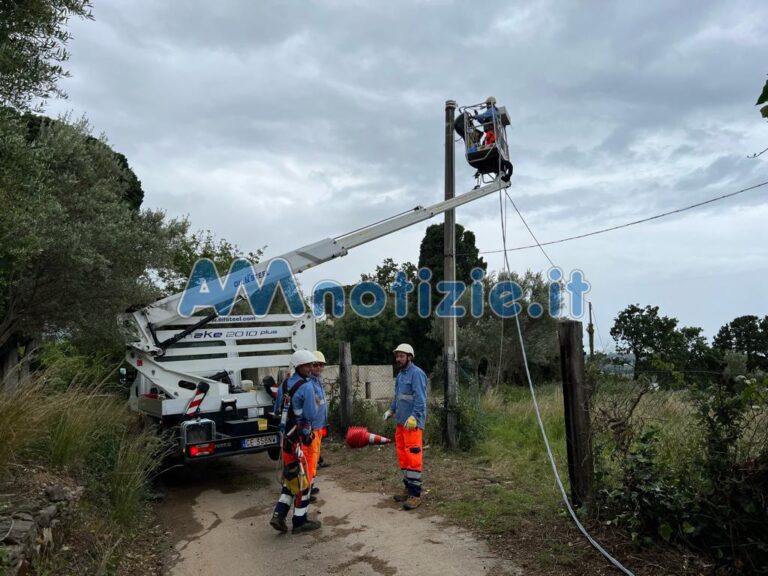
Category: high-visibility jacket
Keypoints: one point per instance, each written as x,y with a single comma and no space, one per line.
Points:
410,395
321,416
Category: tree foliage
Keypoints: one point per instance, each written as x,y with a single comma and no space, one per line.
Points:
372,339
748,335
387,271
33,39
489,347
467,253
133,193
192,247
763,100
659,346
73,252
431,257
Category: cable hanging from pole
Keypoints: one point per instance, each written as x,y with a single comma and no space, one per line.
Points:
539,419
626,224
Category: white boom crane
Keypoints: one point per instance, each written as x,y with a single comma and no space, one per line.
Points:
145,324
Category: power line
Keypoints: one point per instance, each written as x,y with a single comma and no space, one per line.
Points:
625,225
529,230
552,263
758,154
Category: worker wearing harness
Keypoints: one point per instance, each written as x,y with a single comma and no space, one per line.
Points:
321,416
410,409
297,406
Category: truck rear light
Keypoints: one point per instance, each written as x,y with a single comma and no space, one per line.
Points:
202,450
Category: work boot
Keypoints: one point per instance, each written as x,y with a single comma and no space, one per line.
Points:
402,496
412,503
314,491
312,499
278,523
308,526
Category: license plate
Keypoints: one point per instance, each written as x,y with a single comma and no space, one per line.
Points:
260,441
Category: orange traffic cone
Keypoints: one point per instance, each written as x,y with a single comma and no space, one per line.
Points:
358,437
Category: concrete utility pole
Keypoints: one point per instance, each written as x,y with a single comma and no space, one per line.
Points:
591,332
450,356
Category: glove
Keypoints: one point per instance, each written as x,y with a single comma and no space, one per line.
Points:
411,423
306,436
387,415
299,452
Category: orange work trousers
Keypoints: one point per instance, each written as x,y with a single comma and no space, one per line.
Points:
410,457
312,452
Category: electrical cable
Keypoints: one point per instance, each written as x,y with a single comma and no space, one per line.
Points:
575,518
551,262
551,456
501,332
626,224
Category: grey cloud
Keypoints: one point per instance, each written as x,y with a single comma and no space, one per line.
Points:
251,116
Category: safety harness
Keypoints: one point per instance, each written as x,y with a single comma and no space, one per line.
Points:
294,476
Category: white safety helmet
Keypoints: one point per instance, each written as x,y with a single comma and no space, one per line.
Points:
490,100
301,357
406,348
319,356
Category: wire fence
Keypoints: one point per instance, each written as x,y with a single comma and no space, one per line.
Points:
374,383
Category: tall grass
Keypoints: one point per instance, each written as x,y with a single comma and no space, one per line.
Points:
137,458
514,446
82,432
78,420
22,411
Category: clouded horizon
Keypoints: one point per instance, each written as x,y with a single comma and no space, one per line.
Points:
282,124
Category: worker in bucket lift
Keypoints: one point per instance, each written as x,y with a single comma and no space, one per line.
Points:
409,406
321,416
297,407
487,117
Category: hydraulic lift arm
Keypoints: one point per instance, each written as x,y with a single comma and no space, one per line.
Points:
144,323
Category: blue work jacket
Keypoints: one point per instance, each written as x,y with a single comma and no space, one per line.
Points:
487,115
410,395
303,404
321,416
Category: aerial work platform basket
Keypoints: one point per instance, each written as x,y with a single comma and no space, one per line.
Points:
483,129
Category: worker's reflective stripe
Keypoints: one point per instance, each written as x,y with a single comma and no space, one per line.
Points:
405,397
286,498
300,511
412,475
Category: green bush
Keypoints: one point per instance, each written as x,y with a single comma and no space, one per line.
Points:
472,421
714,496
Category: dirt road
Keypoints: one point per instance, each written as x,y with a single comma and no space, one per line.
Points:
218,519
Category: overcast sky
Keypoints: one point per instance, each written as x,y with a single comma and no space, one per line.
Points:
279,124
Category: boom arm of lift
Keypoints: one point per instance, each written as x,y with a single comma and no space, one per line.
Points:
164,312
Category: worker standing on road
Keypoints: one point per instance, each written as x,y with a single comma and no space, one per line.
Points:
321,415
297,406
409,406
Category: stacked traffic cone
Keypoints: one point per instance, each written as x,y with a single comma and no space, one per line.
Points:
358,437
